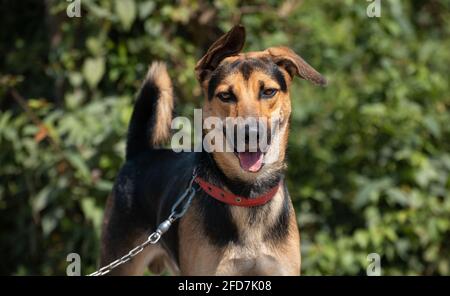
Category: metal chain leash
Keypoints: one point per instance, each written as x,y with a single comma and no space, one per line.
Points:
177,211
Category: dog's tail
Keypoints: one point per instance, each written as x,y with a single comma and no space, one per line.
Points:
152,114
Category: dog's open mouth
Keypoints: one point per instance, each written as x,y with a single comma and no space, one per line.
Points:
250,161
250,155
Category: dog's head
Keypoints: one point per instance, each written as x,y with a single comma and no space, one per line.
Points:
250,85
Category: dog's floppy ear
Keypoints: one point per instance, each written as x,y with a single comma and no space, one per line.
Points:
286,58
228,45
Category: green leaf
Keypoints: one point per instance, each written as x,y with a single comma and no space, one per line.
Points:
50,221
433,126
95,45
93,70
126,11
80,165
39,202
398,196
146,8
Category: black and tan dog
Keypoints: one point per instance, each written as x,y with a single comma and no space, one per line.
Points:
214,237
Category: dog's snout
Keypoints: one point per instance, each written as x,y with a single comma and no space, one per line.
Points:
248,135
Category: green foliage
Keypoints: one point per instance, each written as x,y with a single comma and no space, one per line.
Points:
369,156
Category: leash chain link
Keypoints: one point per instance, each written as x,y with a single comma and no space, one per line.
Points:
154,237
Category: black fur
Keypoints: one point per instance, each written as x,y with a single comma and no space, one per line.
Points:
216,219
280,230
143,119
217,76
246,69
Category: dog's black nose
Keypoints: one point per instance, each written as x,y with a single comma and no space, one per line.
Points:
251,133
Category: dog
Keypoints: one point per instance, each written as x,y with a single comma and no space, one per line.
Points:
252,232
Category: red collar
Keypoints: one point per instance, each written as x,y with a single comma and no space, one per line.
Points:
235,200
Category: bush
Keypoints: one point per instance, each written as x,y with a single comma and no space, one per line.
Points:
369,158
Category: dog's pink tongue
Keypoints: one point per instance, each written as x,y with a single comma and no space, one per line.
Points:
250,161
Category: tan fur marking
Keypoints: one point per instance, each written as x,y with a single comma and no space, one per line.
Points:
158,73
197,255
302,68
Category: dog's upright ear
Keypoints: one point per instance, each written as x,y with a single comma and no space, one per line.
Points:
293,64
228,45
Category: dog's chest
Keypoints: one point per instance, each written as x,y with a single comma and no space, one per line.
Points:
254,224
254,253
260,243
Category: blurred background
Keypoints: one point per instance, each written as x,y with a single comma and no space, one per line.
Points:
369,156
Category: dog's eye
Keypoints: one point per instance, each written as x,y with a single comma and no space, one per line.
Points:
268,93
226,96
